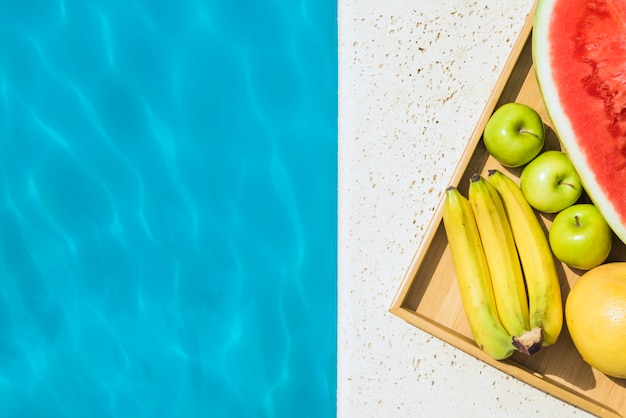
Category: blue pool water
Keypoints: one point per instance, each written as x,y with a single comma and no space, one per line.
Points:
167,208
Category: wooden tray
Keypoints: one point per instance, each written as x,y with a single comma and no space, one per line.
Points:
429,297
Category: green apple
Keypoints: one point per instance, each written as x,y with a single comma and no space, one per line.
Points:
550,182
514,134
580,237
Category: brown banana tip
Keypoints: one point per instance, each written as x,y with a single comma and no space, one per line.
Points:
450,188
530,342
492,171
475,177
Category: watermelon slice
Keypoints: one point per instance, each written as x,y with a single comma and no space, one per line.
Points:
579,53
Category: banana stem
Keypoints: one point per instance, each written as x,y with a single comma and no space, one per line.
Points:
530,342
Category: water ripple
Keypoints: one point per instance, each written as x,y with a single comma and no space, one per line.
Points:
161,185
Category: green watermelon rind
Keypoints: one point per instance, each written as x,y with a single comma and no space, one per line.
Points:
561,122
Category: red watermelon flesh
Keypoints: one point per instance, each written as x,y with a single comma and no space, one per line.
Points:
579,50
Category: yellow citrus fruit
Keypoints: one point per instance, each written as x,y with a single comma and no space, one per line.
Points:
595,313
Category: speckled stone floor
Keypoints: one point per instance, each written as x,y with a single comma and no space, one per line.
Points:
414,77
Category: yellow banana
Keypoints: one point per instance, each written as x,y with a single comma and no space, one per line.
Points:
504,266
542,280
473,277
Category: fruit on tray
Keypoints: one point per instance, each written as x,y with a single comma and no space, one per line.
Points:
595,312
473,277
580,237
550,182
579,51
514,134
542,280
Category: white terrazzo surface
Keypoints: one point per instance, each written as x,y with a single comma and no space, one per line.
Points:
414,77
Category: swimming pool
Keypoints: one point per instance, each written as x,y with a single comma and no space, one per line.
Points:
168,208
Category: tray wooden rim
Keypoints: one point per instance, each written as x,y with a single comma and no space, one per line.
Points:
430,326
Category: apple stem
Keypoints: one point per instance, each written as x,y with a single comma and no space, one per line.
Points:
524,131
567,184
577,221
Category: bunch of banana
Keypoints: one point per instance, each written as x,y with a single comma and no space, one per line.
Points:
504,265
506,275
473,276
542,280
